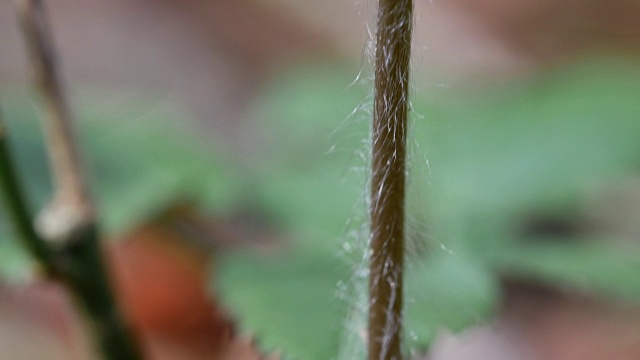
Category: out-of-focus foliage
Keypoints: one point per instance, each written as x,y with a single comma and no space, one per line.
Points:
307,182
514,185
138,160
304,160
287,300
314,180
504,168
516,181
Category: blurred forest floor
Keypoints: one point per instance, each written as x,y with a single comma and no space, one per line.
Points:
212,56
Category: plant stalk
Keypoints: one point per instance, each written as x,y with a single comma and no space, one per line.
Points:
393,50
14,198
69,223
72,205
78,266
85,275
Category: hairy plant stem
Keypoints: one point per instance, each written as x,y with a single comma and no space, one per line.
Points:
72,251
393,50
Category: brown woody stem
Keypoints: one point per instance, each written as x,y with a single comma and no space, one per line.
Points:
393,49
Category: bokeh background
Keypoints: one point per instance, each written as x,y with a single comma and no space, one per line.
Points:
251,92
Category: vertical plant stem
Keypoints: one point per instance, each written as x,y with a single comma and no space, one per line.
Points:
393,50
14,198
86,278
79,266
71,202
69,223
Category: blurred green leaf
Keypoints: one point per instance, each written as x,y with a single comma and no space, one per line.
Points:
537,148
139,159
591,267
306,164
313,180
306,181
541,151
287,300
446,292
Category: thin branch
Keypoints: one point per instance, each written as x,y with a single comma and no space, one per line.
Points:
69,223
78,266
72,206
15,203
393,49
86,278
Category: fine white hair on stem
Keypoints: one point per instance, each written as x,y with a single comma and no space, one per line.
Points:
388,56
388,179
353,291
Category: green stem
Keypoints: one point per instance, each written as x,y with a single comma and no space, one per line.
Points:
69,223
14,199
78,264
393,49
87,279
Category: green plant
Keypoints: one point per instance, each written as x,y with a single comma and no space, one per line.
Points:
496,162
498,166
66,245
